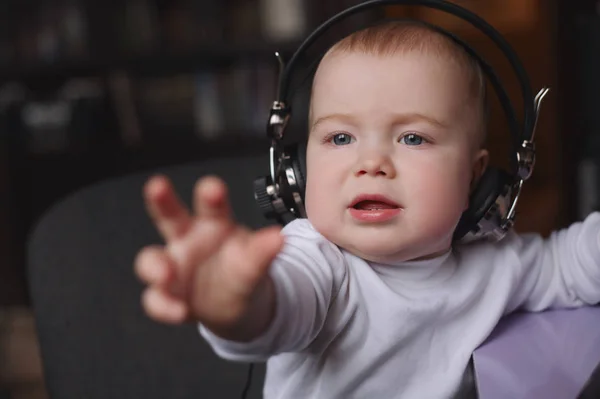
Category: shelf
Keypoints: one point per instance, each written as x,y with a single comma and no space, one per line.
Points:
57,174
161,151
159,63
184,151
43,179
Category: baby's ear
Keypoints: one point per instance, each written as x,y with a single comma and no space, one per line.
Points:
480,164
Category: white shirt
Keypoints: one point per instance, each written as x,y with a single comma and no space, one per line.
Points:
346,328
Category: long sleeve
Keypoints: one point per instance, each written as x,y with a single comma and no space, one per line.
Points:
560,271
306,275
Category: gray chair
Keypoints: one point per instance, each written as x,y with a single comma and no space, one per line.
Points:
96,342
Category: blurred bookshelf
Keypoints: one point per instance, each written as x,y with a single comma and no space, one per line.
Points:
91,90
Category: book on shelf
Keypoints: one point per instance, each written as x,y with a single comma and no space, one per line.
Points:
283,20
203,103
234,101
71,118
47,33
165,107
208,119
137,26
209,104
124,110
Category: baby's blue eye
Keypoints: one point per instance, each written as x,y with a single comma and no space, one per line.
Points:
412,139
342,139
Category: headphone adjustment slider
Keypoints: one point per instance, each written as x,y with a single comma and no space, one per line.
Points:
278,119
526,159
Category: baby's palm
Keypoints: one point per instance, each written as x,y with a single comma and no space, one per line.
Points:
211,267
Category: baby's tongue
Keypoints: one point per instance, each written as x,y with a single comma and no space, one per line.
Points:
373,205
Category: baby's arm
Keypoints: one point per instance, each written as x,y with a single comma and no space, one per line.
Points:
305,275
560,271
241,286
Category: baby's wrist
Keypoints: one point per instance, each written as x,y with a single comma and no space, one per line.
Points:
255,321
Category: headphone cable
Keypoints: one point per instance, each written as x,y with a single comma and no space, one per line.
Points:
248,381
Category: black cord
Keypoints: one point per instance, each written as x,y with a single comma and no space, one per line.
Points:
248,381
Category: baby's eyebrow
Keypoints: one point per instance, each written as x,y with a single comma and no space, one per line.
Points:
412,117
347,118
398,119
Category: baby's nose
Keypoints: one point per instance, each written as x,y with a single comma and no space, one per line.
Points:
376,165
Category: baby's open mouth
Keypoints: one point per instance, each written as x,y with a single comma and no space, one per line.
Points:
371,205
373,208
372,202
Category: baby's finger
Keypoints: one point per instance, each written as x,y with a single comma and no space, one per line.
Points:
153,266
170,216
162,307
210,198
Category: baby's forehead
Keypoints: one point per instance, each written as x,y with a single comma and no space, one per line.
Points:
344,70
390,44
396,60
386,42
398,37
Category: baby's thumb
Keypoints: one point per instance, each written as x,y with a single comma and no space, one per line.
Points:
261,248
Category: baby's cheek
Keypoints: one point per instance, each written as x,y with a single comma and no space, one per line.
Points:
314,199
445,195
320,207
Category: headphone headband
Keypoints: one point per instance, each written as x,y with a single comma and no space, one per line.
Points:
492,204
524,134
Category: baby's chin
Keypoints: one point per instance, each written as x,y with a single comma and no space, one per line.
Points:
385,247
390,250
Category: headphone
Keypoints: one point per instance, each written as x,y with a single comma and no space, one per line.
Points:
492,204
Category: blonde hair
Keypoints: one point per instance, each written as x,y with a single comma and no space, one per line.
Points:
394,37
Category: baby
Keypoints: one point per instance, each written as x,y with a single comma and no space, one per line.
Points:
368,297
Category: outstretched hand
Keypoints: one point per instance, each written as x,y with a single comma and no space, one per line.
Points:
210,270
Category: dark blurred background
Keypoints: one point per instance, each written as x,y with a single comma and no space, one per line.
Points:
93,89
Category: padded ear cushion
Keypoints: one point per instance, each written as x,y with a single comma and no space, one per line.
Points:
490,186
299,163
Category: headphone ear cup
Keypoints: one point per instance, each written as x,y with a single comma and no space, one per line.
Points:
490,186
299,165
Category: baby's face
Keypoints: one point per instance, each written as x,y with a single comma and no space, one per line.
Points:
396,131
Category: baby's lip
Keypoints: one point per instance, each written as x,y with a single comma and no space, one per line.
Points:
373,197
